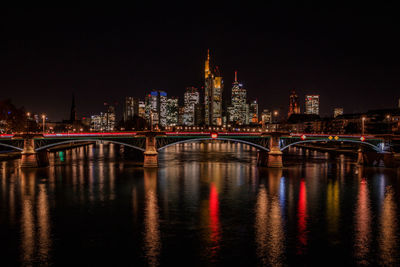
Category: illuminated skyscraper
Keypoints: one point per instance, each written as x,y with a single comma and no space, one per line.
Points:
109,118
181,113
337,112
172,111
253,112
213,95
312,104
131,108
156,108
163,108
191,99
238,112
294,107
142,109
199,114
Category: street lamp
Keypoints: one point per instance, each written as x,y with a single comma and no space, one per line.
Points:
43,118
28,114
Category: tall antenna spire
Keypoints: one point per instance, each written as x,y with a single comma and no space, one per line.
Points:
207,69
235,76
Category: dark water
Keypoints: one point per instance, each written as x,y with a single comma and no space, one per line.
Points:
207,204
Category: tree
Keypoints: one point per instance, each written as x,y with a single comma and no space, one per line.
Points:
12,119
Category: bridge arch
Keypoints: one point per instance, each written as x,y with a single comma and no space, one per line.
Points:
87,140
376,148
13,147
218,138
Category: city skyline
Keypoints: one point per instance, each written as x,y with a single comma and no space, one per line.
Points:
107,55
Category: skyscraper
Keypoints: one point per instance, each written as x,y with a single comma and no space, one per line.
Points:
199,114
163,108
172,111
213,94
312,104
294,107
238,112
109,120
131,108
142,109
156,108
253,112
191,99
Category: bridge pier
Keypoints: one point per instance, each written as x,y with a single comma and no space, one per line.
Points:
360,157
275,153
151,154
28,155
32,159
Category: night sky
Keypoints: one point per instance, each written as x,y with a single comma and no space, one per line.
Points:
347,54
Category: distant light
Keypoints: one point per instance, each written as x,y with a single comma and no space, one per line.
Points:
214,135
303,137
362,138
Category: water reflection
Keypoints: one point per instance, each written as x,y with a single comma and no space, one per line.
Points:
214,225
35,221
201,207
269,231
333,207
152,240
362,219
388,229
302,218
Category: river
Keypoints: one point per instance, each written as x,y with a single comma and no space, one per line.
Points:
207,204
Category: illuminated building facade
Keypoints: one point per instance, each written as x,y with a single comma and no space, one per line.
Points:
142,109
131,108
163,108
156,108
266,116
294,106
110,119
191,99
103,121
199,114
253,112
212,95
337,112
96,123
181,113
172,111
312,104
238,111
